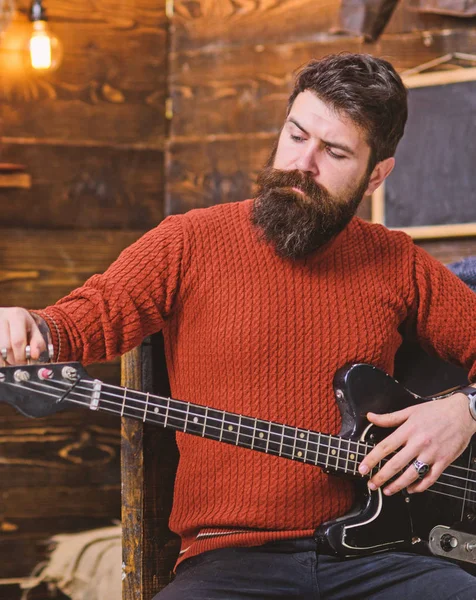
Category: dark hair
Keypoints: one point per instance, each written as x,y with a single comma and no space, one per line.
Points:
365,88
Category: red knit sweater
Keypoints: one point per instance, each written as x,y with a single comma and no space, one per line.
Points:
248,332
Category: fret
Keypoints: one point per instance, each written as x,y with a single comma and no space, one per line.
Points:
196,422
356,458
145,408
339,448
275,440
230,429
247,431
213,424
186,418
205,421
167,412
312,447
176,415
239,430
287,449
351,457
124,402
294,443
327,451
222,426
268,435
280,452
156,414
306,449
333,453
262,435
254,434
300,445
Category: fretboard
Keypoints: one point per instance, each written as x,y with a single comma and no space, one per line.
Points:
331,452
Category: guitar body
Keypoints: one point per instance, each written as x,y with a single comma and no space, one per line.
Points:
403,521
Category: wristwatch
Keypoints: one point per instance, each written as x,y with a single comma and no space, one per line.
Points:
471,393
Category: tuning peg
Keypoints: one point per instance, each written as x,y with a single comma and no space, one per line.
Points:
21,376
44,373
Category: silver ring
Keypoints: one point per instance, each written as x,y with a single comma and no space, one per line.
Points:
422,468
4,353
27,352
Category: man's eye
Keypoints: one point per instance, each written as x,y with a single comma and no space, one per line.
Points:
296,138
334,155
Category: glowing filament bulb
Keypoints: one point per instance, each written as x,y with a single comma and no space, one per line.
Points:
40,46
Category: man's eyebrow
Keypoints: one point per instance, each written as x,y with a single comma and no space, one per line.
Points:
342,147
292,120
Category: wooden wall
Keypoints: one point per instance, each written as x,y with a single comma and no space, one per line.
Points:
92,137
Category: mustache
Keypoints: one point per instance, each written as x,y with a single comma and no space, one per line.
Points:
272,179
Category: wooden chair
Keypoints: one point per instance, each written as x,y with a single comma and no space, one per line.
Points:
149,461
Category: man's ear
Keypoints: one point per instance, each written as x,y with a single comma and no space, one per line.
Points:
381,171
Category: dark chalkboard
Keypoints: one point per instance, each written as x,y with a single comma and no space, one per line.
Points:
434,180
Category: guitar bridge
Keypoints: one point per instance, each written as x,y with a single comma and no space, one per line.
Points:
450,543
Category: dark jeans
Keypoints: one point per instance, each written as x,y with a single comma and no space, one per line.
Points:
293,570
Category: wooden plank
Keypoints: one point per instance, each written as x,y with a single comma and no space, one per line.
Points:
205,23
132,476
243,90
55,501
448,251
111,85
149,460
39,267
85,187
236,22
70,449
15,180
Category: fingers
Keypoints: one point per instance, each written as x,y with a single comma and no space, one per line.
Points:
6,355
388,445
18,339
430,433
17,331
393,419
37,342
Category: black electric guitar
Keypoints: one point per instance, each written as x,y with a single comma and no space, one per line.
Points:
441,520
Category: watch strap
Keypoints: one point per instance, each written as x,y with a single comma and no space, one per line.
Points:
470,392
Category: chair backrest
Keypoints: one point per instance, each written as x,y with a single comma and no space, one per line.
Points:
149,462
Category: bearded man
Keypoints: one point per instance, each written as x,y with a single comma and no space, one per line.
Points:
260,303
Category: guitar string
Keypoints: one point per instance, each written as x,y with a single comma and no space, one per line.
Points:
363,447
223,422
439,482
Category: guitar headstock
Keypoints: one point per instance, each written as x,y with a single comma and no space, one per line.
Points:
40,390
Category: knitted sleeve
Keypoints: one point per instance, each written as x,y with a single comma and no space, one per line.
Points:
445,312
112,313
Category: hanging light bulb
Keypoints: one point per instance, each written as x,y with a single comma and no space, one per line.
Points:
45,48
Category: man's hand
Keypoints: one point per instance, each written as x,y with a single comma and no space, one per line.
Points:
18,329
435,433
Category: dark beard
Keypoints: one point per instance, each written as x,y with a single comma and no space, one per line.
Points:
299,224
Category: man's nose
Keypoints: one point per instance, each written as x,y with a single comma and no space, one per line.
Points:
306,162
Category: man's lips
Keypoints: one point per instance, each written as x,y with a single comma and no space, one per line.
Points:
294,189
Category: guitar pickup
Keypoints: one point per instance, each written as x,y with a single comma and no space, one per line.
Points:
450,543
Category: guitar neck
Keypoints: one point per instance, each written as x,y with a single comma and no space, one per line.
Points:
330,452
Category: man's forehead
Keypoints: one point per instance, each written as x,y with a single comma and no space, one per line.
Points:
321,120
